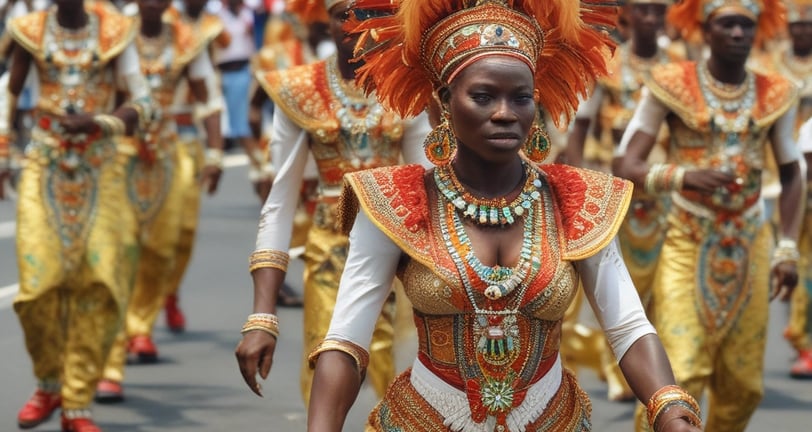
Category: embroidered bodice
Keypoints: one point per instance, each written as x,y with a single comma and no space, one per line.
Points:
492,349
720,126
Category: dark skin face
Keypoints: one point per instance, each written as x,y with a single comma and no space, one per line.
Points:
801,35
152,10
730,38
647,19
492,110
194,7
345,43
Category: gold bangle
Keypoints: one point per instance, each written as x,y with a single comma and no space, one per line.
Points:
269,323
268,258
360,355
669,397
110,124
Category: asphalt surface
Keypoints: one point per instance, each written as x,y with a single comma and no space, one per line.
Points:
196,385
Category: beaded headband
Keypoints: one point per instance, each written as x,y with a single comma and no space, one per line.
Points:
748,8
799,10
310,11
484,30
665,2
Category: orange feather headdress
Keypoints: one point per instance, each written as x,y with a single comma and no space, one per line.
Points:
690,15
799,10
310,11
420,46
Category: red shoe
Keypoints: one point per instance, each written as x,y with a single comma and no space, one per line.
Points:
109,391
79,424
142,347
38,409
802,368
174,316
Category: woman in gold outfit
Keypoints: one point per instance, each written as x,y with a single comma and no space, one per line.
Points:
320,110
488,244
71,232
710,296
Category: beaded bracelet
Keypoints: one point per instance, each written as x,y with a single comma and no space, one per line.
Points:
669,397
269,323
110,124
664,178
268,258
785,251
214,157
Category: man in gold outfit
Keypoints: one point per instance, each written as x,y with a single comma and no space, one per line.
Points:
711,289
320,110
72,236
169,52
190,156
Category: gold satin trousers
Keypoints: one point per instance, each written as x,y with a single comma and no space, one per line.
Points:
72,242
800,314
724,355
156,198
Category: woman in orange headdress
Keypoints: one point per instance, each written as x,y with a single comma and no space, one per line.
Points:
489,245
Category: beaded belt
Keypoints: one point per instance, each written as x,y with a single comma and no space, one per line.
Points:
452,403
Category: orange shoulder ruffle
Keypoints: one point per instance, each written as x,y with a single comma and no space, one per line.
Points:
302,93
591,206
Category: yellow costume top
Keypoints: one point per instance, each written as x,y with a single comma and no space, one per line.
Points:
709,132
348,131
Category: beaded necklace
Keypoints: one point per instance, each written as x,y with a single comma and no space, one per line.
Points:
358,115
156,55
488,211
633,69
731,105
495,325
72,52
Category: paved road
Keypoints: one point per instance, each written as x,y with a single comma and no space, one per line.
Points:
197,387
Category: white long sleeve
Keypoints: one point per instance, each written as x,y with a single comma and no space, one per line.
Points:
365,283
648,118
611,293
276,218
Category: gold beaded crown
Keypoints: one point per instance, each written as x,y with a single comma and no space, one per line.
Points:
421,45
689,15
799,10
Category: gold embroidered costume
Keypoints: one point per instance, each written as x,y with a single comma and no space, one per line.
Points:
73,240
498,361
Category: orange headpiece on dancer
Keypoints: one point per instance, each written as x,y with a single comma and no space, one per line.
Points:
689,15
310,11
799,10
424,44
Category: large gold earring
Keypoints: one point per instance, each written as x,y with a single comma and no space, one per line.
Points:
440,144
537,146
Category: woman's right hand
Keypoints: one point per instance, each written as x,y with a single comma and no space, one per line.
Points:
255,356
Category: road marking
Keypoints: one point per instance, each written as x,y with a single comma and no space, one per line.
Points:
7,293
7,229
